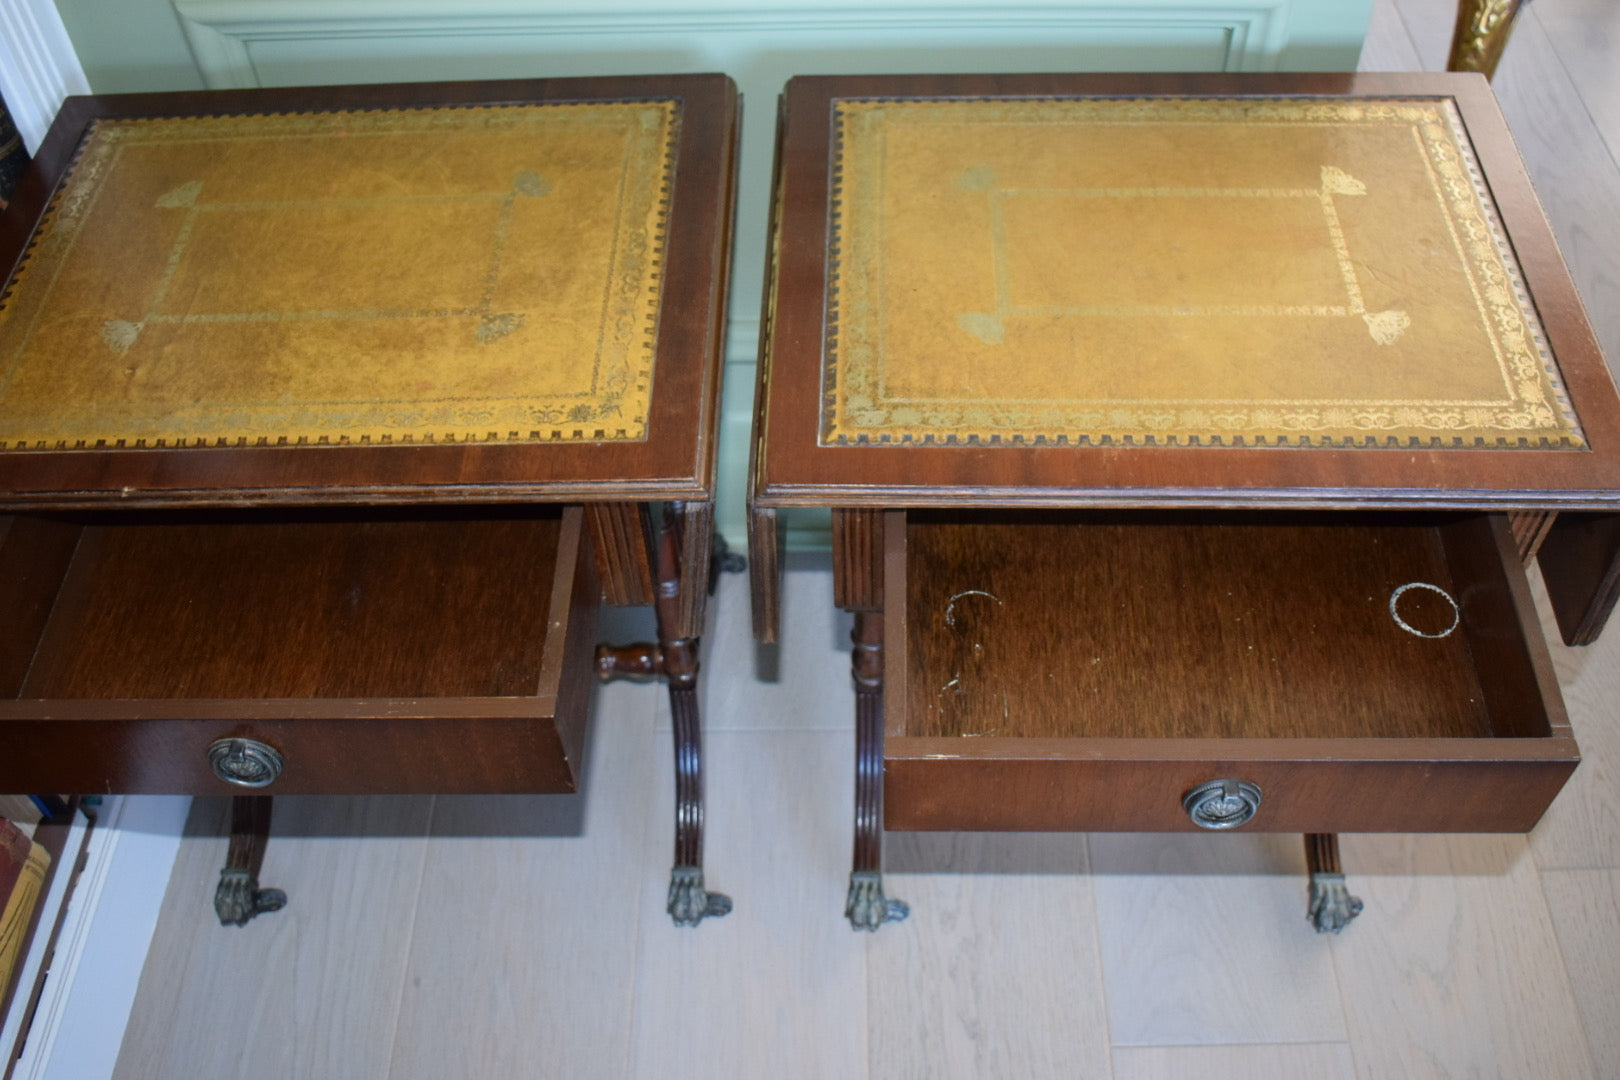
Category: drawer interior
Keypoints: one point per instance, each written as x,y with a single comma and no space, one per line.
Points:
1048,625
347,639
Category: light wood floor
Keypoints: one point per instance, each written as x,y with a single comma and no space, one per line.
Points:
506,937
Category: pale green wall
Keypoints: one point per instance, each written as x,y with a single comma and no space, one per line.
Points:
1329,39
141,45
130,45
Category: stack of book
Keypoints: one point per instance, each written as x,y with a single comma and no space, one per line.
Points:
26,810
23,867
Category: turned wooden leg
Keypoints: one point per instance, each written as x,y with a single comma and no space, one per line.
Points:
675,658
867,908
238,897
1330,907
1482,33
689,902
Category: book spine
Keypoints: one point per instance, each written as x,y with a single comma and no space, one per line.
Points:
49,806
19,910
14,848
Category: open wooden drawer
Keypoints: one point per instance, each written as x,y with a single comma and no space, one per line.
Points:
1087,671
371,651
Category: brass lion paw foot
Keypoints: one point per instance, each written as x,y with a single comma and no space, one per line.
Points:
867,908
1331,905
689,902
238,898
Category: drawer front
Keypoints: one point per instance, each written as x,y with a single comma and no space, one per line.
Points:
533,742
1097,789
1086,672
377,748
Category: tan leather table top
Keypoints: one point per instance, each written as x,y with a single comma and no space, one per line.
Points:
438,274
1181,271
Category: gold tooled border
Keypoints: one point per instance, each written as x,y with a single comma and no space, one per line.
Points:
1545,420
443,421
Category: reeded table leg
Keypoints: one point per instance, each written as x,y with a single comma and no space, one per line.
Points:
689,902
238,897
867,908
1331,906
675,657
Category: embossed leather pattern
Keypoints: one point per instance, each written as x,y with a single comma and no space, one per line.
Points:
435,274
1176,271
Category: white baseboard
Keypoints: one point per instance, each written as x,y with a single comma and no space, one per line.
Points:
79,1025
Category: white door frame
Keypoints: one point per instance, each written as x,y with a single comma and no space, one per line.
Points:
38,67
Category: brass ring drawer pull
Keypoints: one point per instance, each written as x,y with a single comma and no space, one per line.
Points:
245,762
1222,804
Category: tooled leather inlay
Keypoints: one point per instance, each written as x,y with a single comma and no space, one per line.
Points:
437,274
1191,272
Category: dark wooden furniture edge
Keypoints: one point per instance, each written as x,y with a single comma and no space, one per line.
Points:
34,557
1354,793
765,574
1580,562
1238,495
677,461
622,556
793,469
858,558
764,530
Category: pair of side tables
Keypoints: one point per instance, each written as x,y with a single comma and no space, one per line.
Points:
1186,438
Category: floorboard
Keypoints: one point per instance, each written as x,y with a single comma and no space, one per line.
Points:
309,992
990,915
527,918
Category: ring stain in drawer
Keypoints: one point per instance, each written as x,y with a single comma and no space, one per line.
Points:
1208,626
1086,670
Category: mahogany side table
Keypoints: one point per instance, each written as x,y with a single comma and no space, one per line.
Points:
328,418
1186,438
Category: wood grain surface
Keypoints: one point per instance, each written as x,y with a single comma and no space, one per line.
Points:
1582,573
273,608
1464,918
560,874
1585,906
996,1008
34,556
622,554
1201,627
411,653
858,559
314,994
